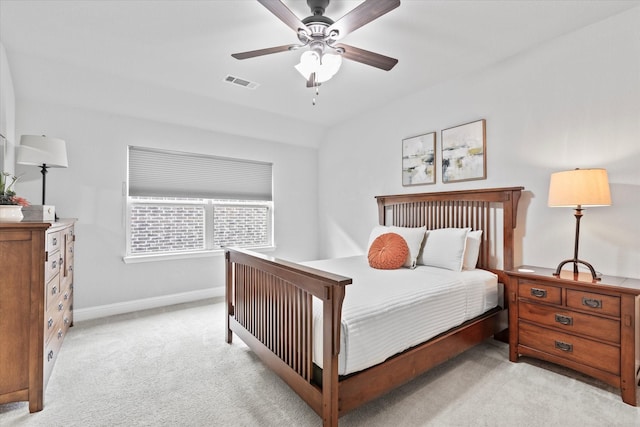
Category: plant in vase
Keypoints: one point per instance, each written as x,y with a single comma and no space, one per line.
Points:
10,204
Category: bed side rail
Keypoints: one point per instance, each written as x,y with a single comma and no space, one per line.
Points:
269,306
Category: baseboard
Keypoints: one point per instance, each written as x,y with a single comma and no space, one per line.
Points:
144,304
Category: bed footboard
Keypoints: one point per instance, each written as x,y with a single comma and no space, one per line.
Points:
269,304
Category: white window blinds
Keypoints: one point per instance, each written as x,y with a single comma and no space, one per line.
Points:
160,173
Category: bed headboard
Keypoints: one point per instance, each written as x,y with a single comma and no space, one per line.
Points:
492,210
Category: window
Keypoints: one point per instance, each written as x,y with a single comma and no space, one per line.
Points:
184,203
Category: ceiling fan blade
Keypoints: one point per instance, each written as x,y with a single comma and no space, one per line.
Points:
369,58
363,14
267,51
284,14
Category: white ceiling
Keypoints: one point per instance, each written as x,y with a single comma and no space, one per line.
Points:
132,55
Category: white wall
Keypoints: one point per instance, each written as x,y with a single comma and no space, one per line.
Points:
7,111
574,102
91,190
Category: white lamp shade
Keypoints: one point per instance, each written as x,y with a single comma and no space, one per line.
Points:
579,187
324,68
42,150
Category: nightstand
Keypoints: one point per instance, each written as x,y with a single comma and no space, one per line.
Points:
586,325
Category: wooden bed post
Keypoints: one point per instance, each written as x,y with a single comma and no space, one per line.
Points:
510,211
332,315
228,294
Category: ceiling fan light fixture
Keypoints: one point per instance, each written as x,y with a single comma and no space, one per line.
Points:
325,66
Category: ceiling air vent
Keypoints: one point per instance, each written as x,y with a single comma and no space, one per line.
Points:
241,82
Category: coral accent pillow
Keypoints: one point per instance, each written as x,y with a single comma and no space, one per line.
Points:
388,251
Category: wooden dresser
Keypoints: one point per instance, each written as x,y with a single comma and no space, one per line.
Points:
586,325
36,305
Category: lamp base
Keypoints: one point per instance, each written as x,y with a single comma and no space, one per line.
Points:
575,262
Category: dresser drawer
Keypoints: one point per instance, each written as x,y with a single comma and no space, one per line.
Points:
54,241
571,321
52,292
540,292
53,317
52,322
595,303
51,351
570,347
52,266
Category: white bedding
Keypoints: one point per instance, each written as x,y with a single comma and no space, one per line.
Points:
388,311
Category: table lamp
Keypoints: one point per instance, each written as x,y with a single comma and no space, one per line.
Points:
42,151
579,188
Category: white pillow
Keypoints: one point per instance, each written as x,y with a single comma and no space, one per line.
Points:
444,248
412,235
472,250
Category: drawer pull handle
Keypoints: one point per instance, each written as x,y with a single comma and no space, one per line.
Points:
54,264
54,241
538,293
564,346
60,307
59,333
50,323
66,320
54,290
50,355
592,302
66,296
565,320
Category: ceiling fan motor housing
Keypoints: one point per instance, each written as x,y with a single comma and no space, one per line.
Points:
318,6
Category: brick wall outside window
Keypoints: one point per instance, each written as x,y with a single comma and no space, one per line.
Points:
171,225
166,228
240,225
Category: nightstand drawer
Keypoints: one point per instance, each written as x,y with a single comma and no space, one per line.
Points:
596,303
540,292
573,322
581,350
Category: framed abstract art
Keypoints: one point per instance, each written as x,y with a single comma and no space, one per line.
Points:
464,152
419,160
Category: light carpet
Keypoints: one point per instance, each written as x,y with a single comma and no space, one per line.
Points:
172,367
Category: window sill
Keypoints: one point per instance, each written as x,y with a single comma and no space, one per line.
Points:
135,259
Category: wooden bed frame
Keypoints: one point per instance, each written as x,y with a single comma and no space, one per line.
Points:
269,303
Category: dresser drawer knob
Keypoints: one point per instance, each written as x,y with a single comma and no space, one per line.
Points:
565,320
59,333
592,302
60,307
49,355
54,264
54,290
564,346
50,323
538,293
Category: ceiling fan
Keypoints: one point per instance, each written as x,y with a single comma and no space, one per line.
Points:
320,34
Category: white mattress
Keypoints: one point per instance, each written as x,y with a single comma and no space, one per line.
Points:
388,311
